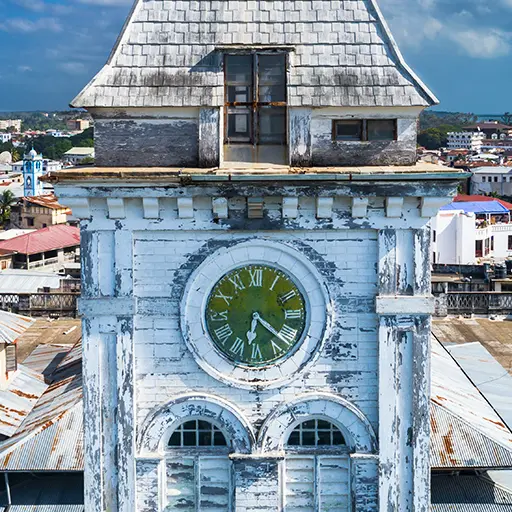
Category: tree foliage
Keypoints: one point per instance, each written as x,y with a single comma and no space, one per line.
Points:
507,118
435,138
434,119
55,147
7,199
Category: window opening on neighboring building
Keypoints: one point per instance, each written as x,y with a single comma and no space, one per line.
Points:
317,469
510,242
255,109
198,468
479,251
365,130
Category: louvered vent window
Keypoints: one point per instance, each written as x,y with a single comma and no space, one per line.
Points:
317,482
198,469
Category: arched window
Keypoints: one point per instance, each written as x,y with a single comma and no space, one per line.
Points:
315,433
198,468
317,468
197,433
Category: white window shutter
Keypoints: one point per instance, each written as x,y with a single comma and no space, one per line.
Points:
317,484
334,483
214,484
199,484
181,485
11,363
300,484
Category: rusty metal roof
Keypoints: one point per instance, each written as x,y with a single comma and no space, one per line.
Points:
13,326
20,397
50,437
46,358
47,200
465,430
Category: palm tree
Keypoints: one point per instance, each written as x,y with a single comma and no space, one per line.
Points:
7,199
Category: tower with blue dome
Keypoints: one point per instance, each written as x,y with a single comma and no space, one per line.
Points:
32,171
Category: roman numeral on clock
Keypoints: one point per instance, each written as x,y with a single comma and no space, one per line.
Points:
223,333
237,282
226,298
256,353
276,348
292,313
219,316
238,347
256,277
287,334
287,296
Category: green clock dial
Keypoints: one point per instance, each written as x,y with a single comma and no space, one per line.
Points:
256,315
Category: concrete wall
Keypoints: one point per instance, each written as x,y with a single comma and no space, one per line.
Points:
456,235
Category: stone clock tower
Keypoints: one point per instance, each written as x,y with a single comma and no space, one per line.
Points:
256,275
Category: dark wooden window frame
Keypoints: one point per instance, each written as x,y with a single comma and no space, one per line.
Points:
364,130
254,105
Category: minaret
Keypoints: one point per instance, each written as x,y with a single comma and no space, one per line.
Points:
32,171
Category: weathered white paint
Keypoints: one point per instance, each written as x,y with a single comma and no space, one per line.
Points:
290,207
394,206
324,207
137,270
359,207
220,207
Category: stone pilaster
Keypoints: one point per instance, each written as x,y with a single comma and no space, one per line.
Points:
404,306
107,310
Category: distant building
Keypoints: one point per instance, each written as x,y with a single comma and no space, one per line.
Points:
48,166
471,141
78,125
5,124
6,256
49,247
486,180
58,134
39,212
5,137
470,232
32,171
490,128
76,155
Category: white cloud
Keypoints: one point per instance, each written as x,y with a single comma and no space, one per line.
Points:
415,22
24,69
25,25
73,68
32,5
487,44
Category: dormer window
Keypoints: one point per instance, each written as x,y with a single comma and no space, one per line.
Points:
255,111
365,130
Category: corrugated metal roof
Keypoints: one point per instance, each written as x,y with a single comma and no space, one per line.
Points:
468,494
46,358
487,375
47,239
20,397
466,431
487,207
13,326
45,493
27,281
50,437
47,200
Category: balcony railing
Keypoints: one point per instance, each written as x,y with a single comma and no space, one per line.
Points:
502,228
474,303
40,304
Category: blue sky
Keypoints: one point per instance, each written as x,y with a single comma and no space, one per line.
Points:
49,49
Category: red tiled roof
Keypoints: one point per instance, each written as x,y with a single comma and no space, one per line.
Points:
43,240
461,198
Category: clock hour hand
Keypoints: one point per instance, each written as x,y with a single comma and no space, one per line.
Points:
265,324
251,335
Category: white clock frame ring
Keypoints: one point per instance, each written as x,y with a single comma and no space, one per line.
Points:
256,252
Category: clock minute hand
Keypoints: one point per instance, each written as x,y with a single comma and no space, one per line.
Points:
266,324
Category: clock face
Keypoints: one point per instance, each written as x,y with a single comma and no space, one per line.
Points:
256,315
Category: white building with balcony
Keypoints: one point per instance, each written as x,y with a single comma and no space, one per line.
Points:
468,233
471,141
486,180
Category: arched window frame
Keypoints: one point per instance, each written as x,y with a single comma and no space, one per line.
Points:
173,451
322,449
